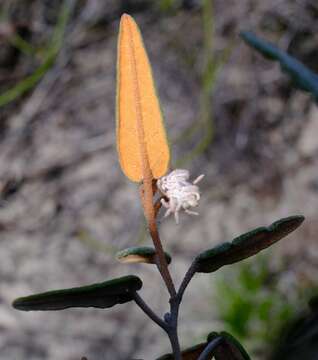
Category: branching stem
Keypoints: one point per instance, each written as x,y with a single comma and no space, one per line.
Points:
186,280
150,214
149,210
149,312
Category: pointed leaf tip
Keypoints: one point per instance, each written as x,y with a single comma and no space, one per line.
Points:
141,138
100,295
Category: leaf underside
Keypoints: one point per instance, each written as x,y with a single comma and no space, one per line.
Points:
302,77
99,295
246,245
142,254
141,136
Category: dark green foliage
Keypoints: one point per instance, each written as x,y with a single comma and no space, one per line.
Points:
100,295
239,301
301,76
140,254
246,245
313,303
300,339
250,300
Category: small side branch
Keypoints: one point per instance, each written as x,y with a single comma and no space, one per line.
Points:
186,280
150,313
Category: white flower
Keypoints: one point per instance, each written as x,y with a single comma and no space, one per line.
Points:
181,193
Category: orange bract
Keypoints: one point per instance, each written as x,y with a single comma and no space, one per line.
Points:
141,139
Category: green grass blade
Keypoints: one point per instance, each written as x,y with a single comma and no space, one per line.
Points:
302,77
51,53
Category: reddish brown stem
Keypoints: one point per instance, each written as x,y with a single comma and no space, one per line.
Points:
158,205
150,214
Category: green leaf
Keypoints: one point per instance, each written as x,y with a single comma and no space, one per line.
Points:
246,245
100,295
229,348
302,77
300,335
143,254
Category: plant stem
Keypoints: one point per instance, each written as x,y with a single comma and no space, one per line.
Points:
162,261
149,312
174,340
208,351
186,280
173,330
169,327
147,200
174,312
150,214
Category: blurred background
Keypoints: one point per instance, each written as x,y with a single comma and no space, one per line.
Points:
66,208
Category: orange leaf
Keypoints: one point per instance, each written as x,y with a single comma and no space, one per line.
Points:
141,138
